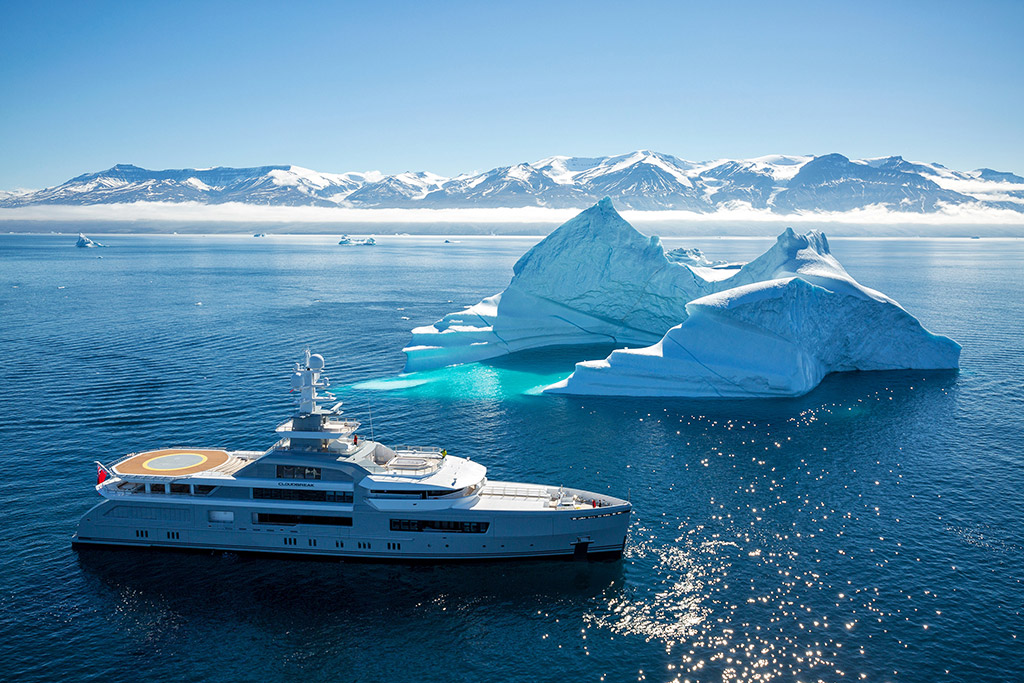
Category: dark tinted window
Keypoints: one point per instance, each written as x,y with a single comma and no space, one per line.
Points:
274,518
439,525
297,472
303,494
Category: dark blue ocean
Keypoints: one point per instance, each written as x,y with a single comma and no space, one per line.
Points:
870,530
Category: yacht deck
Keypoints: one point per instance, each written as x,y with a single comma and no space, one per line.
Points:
517,496
179,462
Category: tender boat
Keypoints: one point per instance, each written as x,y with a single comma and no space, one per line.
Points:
324,490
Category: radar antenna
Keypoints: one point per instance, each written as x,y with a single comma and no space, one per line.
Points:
314,427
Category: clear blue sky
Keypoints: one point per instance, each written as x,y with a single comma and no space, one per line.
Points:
453,86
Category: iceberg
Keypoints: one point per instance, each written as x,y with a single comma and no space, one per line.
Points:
772,327
787,319
593,280
86,243
347,241
695,257
773,338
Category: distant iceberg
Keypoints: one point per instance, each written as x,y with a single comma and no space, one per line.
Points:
692,256
772,327
347,241
86,243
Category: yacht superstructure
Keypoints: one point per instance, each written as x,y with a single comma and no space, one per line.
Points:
324,490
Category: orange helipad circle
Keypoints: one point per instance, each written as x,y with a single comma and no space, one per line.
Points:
173,461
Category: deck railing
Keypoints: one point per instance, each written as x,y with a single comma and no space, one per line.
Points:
247,455
516,491
419,450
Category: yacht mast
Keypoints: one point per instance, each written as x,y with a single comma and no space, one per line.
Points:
310,417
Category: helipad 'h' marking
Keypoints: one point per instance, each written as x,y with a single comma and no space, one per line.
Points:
174,461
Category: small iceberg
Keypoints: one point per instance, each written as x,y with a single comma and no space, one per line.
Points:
351,242
692,256
772,327
86,243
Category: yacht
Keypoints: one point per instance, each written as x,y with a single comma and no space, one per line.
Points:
323,490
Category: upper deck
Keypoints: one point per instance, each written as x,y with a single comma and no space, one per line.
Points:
174,463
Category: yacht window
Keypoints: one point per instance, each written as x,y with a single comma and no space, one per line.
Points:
156,488
274,518
203,489
297,472
290,494
439,525
301,494
408,494
180,488
415,494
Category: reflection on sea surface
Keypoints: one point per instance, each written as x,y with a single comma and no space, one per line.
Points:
309,611
505,378
257,582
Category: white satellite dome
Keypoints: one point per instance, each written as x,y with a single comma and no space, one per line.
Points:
316,362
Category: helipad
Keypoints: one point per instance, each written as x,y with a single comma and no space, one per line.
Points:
172,461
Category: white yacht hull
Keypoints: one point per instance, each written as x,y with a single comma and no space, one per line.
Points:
510,534
322,491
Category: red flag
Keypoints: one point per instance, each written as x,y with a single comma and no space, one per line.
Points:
101,474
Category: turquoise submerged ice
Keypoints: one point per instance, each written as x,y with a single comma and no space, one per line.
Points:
772,327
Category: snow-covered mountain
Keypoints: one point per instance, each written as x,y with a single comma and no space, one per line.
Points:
642,180
396,190
274,185
11,194
509,186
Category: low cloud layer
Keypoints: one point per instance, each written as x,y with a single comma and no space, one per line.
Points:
193,212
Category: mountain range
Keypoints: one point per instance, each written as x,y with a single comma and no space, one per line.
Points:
642,180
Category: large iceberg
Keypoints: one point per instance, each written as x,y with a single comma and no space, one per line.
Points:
594,279
773,327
